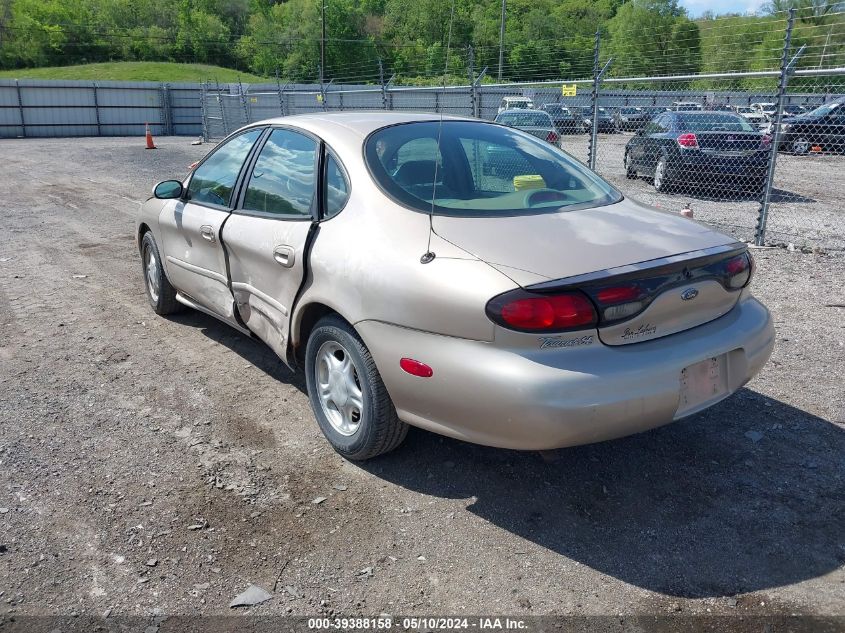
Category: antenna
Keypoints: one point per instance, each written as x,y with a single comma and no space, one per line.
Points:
428,256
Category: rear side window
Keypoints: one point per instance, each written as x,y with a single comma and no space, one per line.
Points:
337,189
212,182
283,179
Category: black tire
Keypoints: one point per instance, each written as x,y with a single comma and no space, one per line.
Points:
164,301
661,184
379,429
630,171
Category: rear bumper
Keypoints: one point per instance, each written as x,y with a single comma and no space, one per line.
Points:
542,399
711,170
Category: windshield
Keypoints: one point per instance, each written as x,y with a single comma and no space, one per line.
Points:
525,119
523,105
714,122
631,110
481,170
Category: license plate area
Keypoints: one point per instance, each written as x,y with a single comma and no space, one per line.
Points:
702,384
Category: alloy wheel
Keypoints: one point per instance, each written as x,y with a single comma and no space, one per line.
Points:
339,388
151,266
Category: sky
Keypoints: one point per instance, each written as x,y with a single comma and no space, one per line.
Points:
696,7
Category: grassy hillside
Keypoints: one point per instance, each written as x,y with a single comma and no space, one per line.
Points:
135,71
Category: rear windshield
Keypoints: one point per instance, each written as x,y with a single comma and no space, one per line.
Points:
479,170
528,119
714,122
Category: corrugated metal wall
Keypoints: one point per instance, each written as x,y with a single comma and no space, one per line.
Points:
31,107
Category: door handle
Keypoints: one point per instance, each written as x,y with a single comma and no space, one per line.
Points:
284,256
207,232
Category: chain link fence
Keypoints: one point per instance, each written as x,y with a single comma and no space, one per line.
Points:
758,154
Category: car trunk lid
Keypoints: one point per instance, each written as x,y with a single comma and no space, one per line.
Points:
729,143
672,266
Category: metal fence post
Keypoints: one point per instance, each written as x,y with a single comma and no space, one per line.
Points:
281,94
222,111
244,106
383,87
20,108
471,73
204,112
592,150
97,110
786,67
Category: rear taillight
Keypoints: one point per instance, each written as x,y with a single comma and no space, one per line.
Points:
552,137
738,270
619,302
530,312
688,140
766,141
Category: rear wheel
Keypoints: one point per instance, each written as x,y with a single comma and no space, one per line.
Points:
661,182
161,294
347,394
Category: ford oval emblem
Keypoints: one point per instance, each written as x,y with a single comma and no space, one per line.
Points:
689,294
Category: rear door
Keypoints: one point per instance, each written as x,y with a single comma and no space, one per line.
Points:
190,227
266,236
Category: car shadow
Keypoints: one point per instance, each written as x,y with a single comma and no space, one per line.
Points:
250,349
743,497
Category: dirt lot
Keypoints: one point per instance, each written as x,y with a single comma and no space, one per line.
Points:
152,465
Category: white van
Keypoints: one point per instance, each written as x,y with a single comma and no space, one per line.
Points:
516,103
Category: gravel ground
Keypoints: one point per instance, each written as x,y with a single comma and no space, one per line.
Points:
806,204
155,465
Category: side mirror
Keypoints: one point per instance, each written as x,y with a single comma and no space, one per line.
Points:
168,190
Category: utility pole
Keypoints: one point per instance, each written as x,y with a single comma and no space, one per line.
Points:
322,39
502,39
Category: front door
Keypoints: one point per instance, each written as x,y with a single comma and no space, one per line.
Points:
267,233
190,227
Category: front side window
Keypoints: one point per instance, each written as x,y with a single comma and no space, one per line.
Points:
283,179
479,170
213,181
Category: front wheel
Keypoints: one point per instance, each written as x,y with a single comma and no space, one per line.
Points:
347,394
630,170
161,294
799,145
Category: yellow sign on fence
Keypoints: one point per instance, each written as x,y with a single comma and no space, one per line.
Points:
569,90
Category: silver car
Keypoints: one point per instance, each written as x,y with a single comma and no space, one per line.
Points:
455,275
536,122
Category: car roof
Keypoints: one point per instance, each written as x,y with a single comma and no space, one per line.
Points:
352,123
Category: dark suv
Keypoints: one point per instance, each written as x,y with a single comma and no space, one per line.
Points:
823,127
565,120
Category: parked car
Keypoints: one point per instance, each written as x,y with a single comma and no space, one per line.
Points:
564,119
685,106
793,109
707,149
415,286
605,120
766,109
537,123
631,119
515,103
823,127
755,117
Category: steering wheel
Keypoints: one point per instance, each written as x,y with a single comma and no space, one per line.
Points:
545,195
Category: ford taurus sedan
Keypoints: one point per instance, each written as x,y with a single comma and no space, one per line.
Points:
419,278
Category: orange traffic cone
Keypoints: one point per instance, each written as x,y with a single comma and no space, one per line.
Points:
150,144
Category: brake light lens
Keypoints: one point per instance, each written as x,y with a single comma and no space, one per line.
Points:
553,137
738,270
688,140
529,312
619,302
766,141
